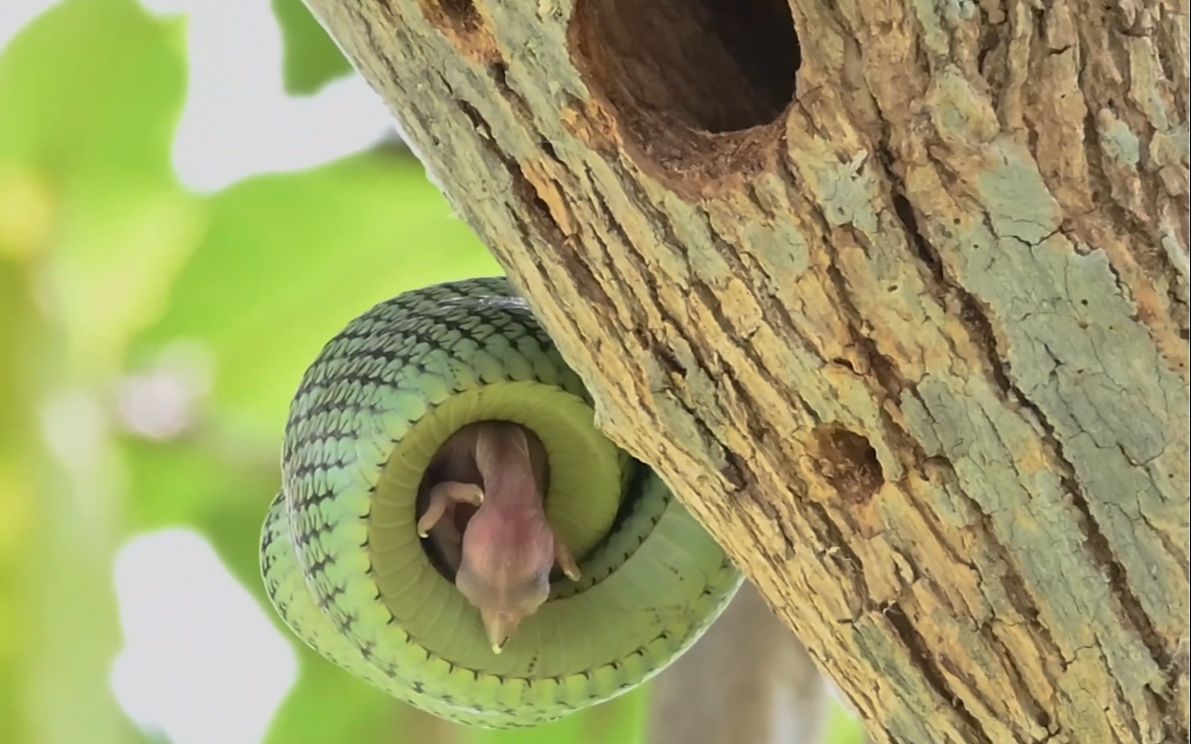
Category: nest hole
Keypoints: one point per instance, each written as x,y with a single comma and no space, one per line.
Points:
849,463
461,14
461,22
714,65
690,81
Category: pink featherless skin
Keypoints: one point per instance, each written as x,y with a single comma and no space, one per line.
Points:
507,549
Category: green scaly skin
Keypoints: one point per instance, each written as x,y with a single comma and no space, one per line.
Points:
344,566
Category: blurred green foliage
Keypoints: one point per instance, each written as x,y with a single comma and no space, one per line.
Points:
311,59
109,269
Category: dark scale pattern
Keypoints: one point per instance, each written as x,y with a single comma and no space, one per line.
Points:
385,371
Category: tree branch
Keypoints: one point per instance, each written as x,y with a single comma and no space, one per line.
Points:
909,336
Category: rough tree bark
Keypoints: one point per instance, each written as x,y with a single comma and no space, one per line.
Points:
893,293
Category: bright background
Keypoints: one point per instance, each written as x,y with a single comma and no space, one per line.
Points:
194,196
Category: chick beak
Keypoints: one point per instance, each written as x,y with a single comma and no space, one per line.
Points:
499,626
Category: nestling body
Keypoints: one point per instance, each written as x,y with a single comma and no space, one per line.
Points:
505,550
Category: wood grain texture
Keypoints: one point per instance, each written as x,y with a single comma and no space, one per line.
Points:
909,335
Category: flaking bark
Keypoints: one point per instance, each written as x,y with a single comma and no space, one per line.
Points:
893,294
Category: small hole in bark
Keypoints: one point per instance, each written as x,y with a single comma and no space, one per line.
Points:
461,22
473,116
849,463
549,150
675,72
500,73
461,13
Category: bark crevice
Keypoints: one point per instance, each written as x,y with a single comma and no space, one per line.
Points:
912,336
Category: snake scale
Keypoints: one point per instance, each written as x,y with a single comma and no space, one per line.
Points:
346,570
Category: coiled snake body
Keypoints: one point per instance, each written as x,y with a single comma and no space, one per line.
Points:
343,562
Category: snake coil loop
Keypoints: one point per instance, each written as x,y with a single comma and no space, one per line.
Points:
346,571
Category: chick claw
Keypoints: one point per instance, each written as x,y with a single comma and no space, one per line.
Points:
443,496
565,560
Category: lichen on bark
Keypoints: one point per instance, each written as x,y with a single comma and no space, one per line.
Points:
894,295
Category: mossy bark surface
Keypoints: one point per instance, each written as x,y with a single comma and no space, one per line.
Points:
894,295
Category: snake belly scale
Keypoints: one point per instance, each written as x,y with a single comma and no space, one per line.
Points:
346,570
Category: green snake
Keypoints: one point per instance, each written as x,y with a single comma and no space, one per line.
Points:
347,571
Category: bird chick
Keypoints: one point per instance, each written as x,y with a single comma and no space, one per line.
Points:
508,547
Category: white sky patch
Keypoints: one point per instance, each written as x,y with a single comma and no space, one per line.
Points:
201,661
167,398
16,14
239,121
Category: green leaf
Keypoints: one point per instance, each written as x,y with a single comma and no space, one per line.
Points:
289,259
90,94
219,489
92,91
311,59
842,726
329,705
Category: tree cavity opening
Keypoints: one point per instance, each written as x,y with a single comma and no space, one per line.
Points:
849,463
714,66
461,13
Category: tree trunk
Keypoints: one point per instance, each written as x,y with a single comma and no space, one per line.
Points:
747,680
893,294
